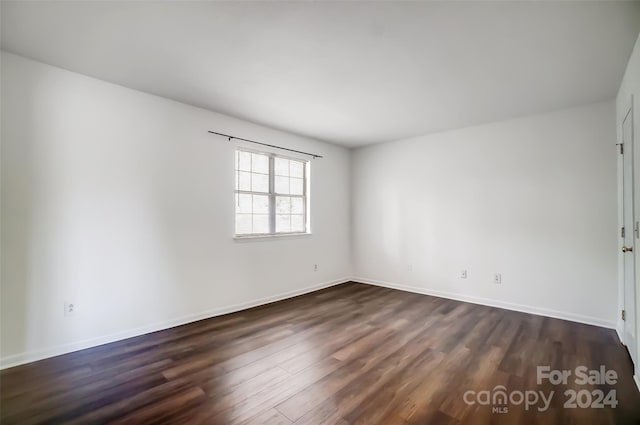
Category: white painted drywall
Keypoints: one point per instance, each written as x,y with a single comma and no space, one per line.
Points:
532,198
122,203
629,91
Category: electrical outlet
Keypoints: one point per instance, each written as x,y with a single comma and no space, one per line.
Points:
315,267
70,309
463,274
410,267
497,278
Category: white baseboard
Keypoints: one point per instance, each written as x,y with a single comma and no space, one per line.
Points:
492,303
28,357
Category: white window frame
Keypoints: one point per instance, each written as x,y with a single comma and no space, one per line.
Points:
272,194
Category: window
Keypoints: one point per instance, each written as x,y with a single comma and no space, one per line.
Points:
271,194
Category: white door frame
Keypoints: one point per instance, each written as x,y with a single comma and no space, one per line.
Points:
629,325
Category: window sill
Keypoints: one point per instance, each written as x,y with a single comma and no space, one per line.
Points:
269,237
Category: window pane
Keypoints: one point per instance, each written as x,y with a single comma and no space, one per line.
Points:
283,205
244,181
253,173
260,163
281,166
260,204
282,185
243,203
296,186
283,223
259,182
243,224
296,169
244,161
297,206
260,223
297,223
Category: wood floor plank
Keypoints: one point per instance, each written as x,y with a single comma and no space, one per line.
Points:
348,354
163,410
269,417
364,355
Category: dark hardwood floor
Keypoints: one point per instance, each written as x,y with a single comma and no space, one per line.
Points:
350,354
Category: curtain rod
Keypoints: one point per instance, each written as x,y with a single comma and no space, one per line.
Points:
265,144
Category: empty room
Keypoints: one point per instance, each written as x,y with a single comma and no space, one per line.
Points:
320,212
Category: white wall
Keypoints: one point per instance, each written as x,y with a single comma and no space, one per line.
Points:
630,92
532,198
122,202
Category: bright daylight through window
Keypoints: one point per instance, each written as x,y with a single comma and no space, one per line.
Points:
271,194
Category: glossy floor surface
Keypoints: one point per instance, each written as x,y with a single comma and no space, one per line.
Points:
350,354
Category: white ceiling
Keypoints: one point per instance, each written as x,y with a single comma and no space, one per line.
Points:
352,73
